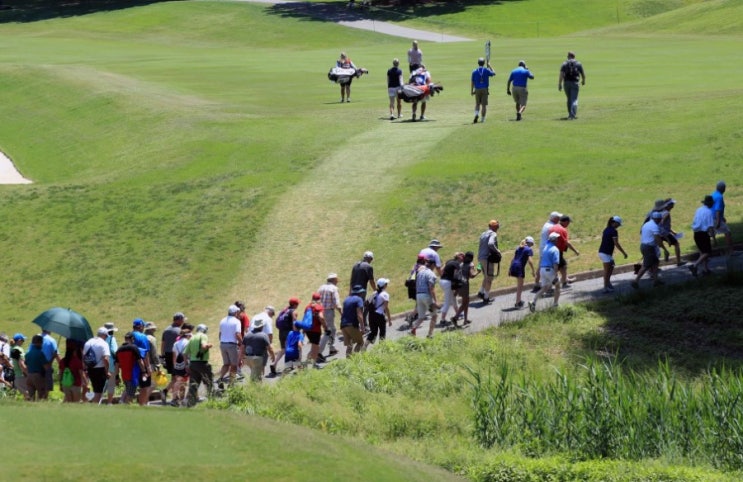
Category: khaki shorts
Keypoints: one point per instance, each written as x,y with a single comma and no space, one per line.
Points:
547,276
520,95
352,335
230,355
481,96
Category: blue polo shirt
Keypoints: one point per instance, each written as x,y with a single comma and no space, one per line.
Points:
49,347
481,77
35,360
550,256
350,306
519,76
719,204
141,342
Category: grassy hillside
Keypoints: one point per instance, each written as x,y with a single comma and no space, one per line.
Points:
188,154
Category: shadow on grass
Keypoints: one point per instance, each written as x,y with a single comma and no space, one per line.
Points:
37,10
695,326
381,11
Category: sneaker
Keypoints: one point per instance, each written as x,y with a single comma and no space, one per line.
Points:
399,116
429,336
164,396
348,100
272,375
570,279
555,305
476,118
693,270
535,289
320,359
342,100
480,295
392,117
316,366
635,285
518,116
487,301
332,352
611,287
532,306
566,286
423,117
519,305
482,120
466,322
413,118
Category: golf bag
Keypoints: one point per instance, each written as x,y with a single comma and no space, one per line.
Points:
339,75
416,93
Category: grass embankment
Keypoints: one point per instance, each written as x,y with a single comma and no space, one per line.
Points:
90,443
572,394
187,154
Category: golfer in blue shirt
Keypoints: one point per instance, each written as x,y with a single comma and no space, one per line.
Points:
548,265
519,77
479,86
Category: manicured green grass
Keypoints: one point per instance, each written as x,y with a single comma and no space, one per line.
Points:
188,154
124,443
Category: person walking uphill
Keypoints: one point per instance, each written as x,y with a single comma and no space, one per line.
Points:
394,82
572,77
519,77
488,255
479,87
650,248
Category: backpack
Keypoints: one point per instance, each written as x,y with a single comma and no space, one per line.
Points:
180,360
572,72
458,279
89,359
68,379
284,320
306,322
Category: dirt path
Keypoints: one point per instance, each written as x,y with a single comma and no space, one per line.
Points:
328,213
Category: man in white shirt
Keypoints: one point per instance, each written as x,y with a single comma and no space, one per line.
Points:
96,356
650,248
230,338
704,230
266,316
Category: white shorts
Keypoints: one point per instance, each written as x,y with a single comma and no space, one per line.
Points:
606,258
547,276
722,228
392,91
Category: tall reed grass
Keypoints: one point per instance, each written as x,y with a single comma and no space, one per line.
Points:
608,411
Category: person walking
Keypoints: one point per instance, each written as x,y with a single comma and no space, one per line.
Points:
199,368
425,298
285,325
113,347
128,365
519,77
315,332
352,321
419,77
649,247
394,82
468,272
667,234
344,62
718,210
563,244
432,251
96,356
331,303
703,226
572,77
521,258
145,377
610,241
415,57
549,263
362,273
553,219
447,281
479,87
257,350
487,255
379,316
230,338
168,339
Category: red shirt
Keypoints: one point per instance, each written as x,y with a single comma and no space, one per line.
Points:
317,309
562,241
126,357
244,321
75,366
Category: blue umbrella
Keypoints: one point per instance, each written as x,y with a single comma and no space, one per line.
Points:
65,322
